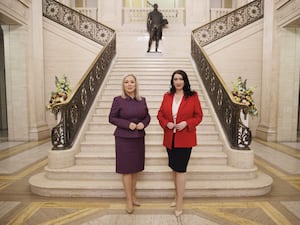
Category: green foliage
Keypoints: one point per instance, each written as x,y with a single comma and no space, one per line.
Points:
243,95
62,92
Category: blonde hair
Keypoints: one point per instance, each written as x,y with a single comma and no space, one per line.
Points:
136,93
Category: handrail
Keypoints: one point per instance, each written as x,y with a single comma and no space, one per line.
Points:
229,23
227,109
75,109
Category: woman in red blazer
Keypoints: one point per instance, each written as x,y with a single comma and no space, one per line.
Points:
179,114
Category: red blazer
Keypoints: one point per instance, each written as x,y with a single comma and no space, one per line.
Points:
190,111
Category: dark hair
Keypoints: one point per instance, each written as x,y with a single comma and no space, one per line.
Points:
186,88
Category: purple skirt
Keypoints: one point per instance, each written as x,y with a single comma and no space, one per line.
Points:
130,155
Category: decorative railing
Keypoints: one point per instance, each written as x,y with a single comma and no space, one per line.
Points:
229,23
226,108
139,15
75,109
77,22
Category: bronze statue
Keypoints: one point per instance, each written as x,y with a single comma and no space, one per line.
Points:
155,23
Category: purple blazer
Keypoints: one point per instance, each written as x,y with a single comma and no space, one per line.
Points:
124,111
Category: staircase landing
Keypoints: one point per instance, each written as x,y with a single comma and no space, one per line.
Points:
132,40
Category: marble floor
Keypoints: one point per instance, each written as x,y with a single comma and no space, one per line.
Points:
18,161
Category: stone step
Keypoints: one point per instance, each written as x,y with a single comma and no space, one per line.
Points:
149,98
151,136
44,186
173,29
205,126
155,70
101,113
151,158
151,82
103,117
152,110
107,104
151,172
154,60
143,92
144,79
152,101
203,145
152,64
149,75
166,60
157,87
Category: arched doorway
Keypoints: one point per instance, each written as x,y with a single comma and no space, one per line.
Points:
3,102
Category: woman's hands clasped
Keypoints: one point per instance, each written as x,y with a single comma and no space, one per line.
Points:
179,126
134,126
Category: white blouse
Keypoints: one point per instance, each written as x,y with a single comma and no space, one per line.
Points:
175,107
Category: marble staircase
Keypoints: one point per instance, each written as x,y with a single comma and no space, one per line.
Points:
93,171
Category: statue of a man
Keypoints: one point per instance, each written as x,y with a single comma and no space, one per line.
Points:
155,23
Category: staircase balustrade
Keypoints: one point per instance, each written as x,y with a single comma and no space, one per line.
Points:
77,22
229,23
227,109
139,15
75,109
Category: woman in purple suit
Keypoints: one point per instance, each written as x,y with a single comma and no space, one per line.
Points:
129,113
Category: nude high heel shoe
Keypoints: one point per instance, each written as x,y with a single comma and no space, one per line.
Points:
129,210
173,204
136,203
178,213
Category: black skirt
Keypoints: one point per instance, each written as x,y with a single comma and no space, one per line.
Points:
179,158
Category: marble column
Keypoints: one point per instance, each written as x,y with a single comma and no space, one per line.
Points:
110,13
267,128
197,12
15,51
288,83
38,128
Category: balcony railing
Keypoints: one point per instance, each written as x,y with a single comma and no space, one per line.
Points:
139,15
